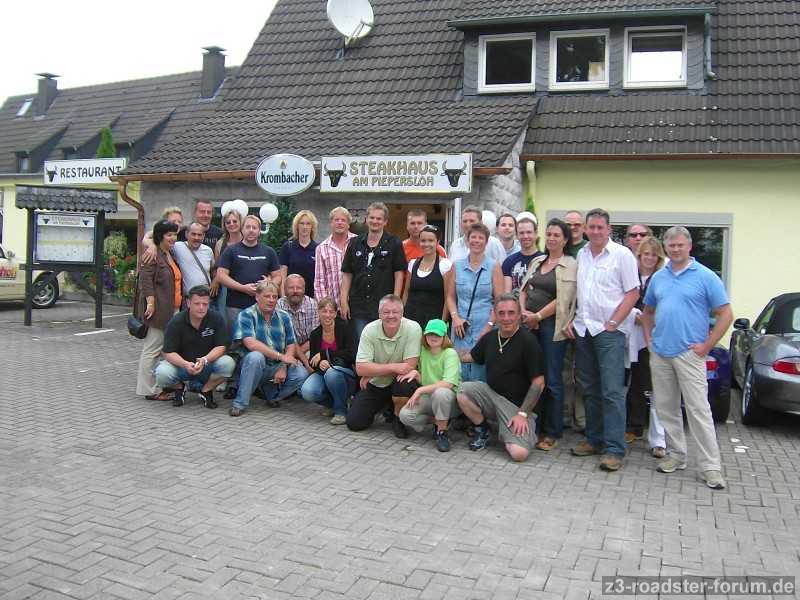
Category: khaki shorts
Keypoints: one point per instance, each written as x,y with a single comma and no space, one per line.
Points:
498,411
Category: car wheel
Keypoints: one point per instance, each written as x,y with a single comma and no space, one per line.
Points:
752,411
45,295
721,405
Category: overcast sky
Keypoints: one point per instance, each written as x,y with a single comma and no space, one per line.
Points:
89,41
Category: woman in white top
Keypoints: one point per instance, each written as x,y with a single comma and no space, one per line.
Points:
430,280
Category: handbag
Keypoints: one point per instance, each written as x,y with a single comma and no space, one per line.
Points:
136,327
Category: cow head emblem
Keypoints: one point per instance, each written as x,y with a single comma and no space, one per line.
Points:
335,175
51,175
453,175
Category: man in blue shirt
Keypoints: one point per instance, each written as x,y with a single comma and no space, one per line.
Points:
270,361
675,320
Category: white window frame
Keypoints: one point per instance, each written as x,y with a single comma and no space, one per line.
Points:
577,85
502,88
23,109
660,31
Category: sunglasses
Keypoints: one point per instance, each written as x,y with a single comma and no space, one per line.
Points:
430,229
638,234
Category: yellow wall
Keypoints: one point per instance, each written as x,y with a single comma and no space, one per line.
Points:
763,196
15,220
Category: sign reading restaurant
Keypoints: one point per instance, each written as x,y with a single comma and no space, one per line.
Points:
89,170
285,174
425,173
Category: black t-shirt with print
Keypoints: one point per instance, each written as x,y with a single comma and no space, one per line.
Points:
373,272
510,373
247,264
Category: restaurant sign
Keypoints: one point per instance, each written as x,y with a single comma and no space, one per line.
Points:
425,173
285,174
86,170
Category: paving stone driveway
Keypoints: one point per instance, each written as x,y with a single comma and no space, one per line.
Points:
104,495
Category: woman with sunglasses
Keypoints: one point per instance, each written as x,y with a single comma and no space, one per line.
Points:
232,234
429,280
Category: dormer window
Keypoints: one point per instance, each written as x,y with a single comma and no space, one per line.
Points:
506,63
71,154
26,104
655,57
579,60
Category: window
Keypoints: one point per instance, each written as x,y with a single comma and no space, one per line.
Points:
23,163
579,60
506,63
655,57
764,318
26,104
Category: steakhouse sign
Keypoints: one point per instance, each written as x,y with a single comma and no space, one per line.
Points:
427,173
285,174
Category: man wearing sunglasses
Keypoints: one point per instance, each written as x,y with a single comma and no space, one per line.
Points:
634,235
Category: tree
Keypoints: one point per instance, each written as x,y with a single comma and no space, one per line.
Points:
106,148
281,229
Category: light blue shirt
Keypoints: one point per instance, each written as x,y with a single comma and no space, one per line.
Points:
683,302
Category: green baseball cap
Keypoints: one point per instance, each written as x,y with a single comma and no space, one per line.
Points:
436,327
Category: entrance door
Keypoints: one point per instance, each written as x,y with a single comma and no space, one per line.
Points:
439,214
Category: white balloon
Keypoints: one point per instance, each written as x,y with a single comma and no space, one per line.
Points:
241,207
268,213
490,220
227,207
527,215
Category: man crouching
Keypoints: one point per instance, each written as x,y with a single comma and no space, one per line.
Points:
195,341
514,382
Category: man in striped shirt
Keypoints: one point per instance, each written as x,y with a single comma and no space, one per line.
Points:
330,254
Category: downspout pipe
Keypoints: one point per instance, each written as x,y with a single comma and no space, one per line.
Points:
123,191
707,47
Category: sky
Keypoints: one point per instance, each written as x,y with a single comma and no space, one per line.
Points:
91,41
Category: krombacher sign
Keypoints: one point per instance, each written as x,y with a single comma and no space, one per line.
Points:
420,174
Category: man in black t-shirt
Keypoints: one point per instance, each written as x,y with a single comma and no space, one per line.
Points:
203,212
195,341
514,382
243,265
374,266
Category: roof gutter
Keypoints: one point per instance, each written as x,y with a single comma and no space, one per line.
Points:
593,16
248,174
686,156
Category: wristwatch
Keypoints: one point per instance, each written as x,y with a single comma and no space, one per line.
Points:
522,414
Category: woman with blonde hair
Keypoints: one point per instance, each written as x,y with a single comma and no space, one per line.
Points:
297,254
439,375
650,258
233,215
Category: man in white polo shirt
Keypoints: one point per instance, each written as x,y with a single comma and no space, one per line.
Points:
608,287
194,258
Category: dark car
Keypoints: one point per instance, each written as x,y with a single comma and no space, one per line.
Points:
765,360
718,374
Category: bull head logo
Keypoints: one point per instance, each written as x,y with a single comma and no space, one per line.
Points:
51,175
453,175
335,175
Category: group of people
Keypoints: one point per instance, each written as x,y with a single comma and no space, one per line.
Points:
496,336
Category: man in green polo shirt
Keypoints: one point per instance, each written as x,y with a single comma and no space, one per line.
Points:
388,349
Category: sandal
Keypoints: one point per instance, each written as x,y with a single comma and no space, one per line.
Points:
546,444
162,396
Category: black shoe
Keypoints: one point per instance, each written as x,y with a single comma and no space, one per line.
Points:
272,403
207,398
230,392
442,441
178,400
481,437
399,429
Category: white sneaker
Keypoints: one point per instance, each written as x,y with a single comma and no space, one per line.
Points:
338,420
714,480
670,464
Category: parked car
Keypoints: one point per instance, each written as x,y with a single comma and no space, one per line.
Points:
718,374
12,281
765,360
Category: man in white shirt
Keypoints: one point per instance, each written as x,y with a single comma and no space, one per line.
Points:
194,258
506,228
459,249
608,287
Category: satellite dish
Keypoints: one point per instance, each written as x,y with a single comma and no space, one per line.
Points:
352,18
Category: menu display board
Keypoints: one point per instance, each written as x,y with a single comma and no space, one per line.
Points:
64,237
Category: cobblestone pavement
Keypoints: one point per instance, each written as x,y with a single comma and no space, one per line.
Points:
107,496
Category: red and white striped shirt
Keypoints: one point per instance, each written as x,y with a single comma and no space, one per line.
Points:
328,269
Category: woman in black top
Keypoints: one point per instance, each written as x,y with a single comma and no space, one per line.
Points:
428,281
332,356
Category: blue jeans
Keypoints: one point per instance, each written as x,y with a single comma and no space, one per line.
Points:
257,372
331,388
167,374
601,372
358,324
473,372
553,421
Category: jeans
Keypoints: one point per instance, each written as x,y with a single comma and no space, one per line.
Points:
257,372
601,371
358,324
220,301
331,388
167,374
553,418
473,372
